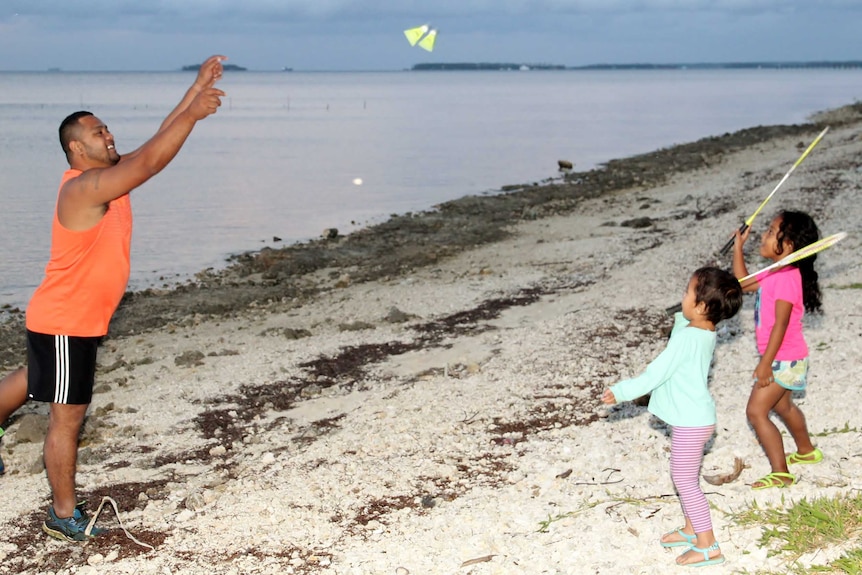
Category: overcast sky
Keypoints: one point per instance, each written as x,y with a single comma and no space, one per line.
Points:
367,34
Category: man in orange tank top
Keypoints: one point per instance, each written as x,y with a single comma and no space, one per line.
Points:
85,279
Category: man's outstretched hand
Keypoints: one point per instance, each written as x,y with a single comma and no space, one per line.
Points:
210,72
205,103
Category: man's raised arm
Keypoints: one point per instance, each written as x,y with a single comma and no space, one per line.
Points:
209,73
83,200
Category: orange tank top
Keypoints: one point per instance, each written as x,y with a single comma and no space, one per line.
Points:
86,276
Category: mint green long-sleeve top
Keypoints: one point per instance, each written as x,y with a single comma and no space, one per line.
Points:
677,378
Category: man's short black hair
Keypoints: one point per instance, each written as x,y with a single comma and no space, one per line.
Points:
67,129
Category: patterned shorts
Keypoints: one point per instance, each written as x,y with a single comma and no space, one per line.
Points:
792,375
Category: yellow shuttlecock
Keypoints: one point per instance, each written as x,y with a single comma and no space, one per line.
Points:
428,41
414,34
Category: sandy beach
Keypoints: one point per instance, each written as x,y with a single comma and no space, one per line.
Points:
423,397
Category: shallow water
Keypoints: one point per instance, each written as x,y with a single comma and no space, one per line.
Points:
281,156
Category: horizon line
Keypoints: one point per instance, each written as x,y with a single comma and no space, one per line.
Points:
594,66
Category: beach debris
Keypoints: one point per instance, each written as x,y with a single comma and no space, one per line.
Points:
357,181
477,560
424,36
95,516
607,481
402,571
330,233
722,478
565,165
564,474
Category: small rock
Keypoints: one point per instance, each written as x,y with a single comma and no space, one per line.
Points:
190,358
37,467
395,315
31,428
195,502
185,515
291,333
638,223
310,390
96,559
355,326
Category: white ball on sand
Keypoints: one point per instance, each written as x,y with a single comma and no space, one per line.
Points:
357,181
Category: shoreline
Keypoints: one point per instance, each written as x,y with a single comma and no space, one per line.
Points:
407,404
293,273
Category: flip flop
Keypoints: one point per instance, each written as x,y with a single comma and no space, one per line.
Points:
688,539
815,456
719,559
775,479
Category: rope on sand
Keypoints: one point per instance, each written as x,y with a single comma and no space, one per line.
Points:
95,516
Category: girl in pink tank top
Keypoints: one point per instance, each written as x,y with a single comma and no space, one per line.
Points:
782,299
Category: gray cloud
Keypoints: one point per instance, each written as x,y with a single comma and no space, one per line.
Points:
366,34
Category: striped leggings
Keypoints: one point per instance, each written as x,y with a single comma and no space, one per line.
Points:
686,457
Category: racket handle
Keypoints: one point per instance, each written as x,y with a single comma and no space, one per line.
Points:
673,309
729,243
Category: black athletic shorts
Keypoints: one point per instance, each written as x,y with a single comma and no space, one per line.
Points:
61,368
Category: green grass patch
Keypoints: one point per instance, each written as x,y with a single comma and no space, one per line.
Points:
807,526
836,430
850,563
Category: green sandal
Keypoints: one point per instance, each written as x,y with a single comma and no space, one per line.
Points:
775,479
687,542
815,456
717,560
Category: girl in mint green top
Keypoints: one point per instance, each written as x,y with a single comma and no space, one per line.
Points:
677,379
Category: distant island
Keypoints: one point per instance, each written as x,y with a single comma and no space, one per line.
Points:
636,66
227,67
724,66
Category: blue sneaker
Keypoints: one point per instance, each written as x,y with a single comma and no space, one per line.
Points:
70,528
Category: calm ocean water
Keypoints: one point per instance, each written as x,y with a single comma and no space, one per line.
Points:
280,157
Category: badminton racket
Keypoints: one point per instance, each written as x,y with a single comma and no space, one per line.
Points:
750,220
799,254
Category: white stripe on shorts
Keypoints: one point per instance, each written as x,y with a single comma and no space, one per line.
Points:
61,373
